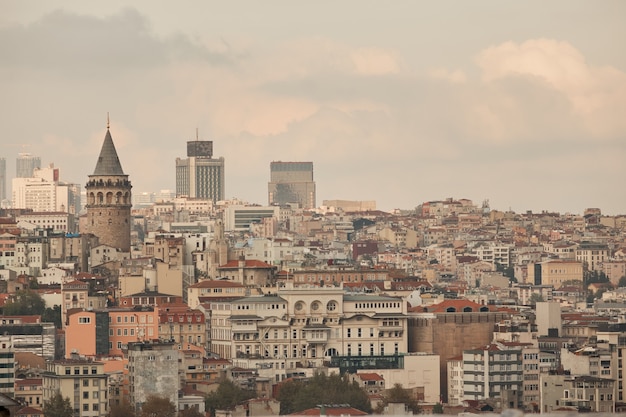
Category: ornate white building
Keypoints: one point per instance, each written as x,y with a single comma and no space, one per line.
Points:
307,327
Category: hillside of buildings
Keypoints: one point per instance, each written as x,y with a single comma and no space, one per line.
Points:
205,306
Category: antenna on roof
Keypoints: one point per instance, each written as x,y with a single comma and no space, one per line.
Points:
196,134
108,122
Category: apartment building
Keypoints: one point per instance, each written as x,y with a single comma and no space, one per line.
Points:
494,371
83,381
577,393
592,255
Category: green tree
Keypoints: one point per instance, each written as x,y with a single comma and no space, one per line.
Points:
321,389
535,298
25,302
438,408
57,406
124,409
622,281
156,406
226,396
52,315
398,394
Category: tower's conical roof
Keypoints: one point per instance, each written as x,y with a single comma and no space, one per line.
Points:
108,162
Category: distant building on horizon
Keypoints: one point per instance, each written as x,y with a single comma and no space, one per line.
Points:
292,182
200,175
25,165
3,179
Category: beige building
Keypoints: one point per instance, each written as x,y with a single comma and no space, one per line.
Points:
555,272
305,327
82,381
209,289
592,255
614,270
577,393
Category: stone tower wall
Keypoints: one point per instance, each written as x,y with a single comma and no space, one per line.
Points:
108,210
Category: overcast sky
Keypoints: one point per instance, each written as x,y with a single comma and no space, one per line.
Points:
522,103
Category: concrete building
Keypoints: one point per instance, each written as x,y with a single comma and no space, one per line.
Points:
200,175
109,199
3,180
81,380
7,364
56,221
153,370
577,394
548,319
291,182
592,255
43,191
555,272
238,218
494,371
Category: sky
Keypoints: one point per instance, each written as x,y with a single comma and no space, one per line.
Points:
401,102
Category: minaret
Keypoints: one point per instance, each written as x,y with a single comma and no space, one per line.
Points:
109,199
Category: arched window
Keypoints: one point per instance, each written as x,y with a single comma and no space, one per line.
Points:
467,309
450,310
100,198
109,197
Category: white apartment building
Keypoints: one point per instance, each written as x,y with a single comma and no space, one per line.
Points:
44,192
493,253
304,327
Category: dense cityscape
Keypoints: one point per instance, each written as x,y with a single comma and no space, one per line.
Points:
118,303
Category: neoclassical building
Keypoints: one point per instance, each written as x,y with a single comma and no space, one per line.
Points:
109,199
306,328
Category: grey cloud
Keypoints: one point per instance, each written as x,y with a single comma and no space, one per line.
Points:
85,45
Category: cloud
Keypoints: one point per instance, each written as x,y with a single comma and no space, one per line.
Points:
595,92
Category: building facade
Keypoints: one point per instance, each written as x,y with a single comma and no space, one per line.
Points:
109,199
200,175
291,182
25,165
83,381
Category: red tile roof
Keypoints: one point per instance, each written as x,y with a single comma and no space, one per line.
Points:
248,263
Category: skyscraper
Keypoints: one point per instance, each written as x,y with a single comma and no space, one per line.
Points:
292,182
25,165
3,179
109,199
200,175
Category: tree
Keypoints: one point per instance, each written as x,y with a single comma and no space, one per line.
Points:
226,396
321,389
124,409
25,302
438,408
52,315
156,406
397,394
535,298
622,281
190,412
57,406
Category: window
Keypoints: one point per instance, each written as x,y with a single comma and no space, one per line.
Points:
85,395
84,320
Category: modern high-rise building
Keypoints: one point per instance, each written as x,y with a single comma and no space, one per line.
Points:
292,182
25,165
109,199
200,175
3,179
